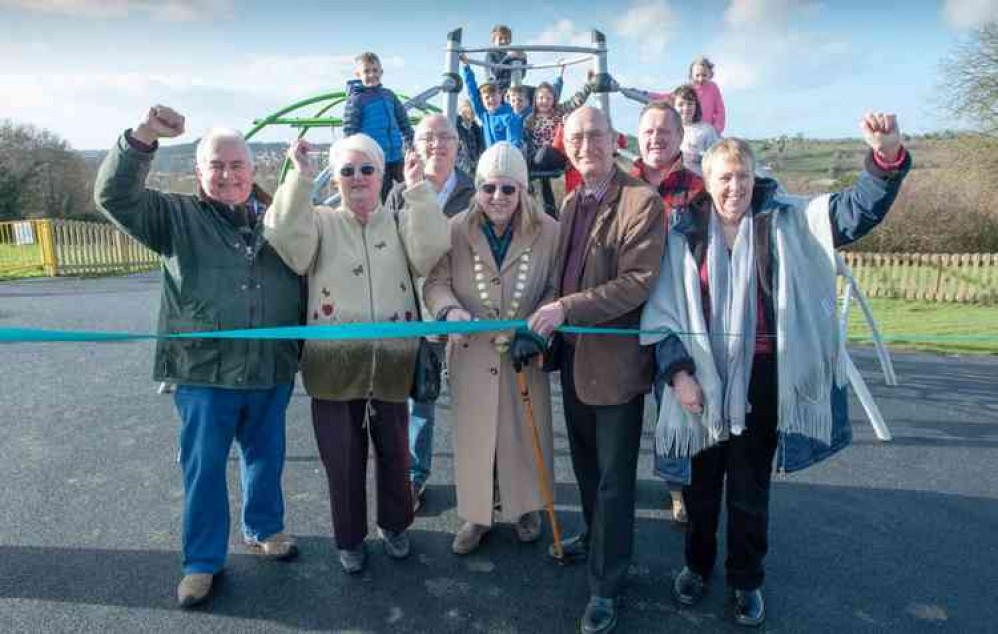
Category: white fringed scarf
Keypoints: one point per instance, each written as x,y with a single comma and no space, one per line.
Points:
808,346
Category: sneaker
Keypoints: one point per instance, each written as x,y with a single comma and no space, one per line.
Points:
469,538
396,544
688,588
353,560
280,546
194,589
528,527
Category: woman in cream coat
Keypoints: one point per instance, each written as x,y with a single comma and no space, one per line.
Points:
502,251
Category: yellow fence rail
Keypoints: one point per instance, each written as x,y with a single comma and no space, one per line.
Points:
69,247
938,277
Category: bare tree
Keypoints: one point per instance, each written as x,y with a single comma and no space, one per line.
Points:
40,175
970,80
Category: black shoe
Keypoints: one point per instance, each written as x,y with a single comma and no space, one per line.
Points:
688,588
575,548
750,608
600,616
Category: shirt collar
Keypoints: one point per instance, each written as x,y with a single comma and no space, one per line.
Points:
597,190
448,188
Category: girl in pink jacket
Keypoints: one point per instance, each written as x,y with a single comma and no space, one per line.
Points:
711,102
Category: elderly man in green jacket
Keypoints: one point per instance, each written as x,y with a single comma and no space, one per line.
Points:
219,273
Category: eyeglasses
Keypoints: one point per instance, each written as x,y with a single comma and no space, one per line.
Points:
595,136
439,139
489,189
348,170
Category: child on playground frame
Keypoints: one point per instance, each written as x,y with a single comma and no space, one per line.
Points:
499,121
711,102
698,135
502,35
377,112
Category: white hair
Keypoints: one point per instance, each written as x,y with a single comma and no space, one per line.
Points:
357,143
214,137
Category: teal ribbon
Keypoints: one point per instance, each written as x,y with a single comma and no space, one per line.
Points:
379,330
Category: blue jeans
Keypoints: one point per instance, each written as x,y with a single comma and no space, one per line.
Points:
675,471
421,419
211,418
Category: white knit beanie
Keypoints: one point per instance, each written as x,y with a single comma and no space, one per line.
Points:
358,143
502,160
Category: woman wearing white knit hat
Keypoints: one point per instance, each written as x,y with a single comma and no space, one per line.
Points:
502,251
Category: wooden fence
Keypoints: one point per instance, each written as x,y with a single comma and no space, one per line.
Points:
67,247
70,247
939,277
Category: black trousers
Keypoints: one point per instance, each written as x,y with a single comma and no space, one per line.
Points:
342,437
394,173
745,463
604,440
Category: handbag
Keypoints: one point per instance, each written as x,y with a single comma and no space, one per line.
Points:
426,379
429,366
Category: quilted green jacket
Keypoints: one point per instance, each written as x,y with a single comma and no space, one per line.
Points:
215,277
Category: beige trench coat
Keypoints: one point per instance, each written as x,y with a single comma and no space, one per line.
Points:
489,423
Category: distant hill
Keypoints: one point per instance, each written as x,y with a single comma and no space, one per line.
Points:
179,159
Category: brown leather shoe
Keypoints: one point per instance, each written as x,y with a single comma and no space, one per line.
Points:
279,546
194,589
469,538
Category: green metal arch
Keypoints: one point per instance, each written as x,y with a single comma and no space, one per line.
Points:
318,120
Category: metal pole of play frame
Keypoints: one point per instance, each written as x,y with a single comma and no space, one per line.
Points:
600,69
543,477
451,70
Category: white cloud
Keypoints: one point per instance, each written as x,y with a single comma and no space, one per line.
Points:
650,23
969,13
749,13
563,33
165,10
759,46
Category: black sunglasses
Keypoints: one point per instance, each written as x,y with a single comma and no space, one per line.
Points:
507,190
348,170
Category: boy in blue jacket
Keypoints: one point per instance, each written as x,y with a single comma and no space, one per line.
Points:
377,112
499,121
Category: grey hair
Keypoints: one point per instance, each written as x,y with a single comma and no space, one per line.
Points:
215,136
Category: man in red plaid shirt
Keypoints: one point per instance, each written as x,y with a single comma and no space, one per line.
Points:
660,133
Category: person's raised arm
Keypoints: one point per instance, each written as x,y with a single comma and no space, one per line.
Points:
855,211
120,192
290,225
471,85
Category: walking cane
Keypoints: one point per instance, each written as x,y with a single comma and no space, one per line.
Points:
544,479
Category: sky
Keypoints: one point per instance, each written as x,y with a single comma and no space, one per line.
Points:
87,69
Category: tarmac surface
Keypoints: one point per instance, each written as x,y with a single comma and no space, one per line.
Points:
899,536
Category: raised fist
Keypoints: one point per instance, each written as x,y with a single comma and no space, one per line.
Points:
414,174
881,133
298,155
161,122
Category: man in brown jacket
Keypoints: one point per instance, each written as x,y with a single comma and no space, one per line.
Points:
610,249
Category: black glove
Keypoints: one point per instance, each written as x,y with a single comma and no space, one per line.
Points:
526,345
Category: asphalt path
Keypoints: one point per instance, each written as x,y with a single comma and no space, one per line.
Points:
899,536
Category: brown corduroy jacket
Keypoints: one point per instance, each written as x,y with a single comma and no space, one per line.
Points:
623,254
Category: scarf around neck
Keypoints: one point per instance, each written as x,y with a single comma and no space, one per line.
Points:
810,353
733,299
